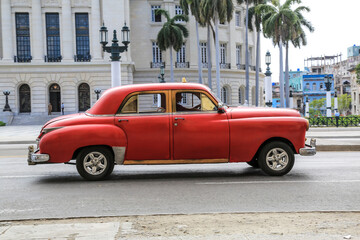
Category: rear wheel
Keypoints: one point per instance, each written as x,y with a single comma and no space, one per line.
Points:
276,158
95,163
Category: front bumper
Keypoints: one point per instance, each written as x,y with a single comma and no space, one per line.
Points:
34,157
309,150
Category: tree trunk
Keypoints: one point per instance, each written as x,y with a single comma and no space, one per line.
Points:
287,86
199,53
171,66
257,68
281,75
247,90
208,45
217,60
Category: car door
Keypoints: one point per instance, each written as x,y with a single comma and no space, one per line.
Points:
199,131
145,119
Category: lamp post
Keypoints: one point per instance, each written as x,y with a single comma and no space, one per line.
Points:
336,111
7,106
162,73
268,85
307,107
291,98
327,79
115,51
97,92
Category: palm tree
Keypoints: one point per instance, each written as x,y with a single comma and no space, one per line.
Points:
255,17
171,35
297,36
276,19
247,78
194,7
217,11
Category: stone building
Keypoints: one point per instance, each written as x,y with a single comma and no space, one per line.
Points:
50,52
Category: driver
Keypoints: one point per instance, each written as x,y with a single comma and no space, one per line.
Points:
181,108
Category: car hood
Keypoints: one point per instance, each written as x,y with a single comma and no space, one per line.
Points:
252,112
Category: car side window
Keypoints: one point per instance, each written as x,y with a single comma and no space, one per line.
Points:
145,103
193,101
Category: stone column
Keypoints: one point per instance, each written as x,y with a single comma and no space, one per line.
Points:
67,31
37,33
95,27
6,25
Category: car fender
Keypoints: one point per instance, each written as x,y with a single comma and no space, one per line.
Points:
62,143
247,135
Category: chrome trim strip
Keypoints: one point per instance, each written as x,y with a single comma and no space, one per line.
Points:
119,154
99,115
47,130
140,114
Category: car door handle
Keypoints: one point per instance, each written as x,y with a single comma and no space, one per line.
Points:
179,118
123,120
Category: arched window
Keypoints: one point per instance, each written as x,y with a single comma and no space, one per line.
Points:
84,97
224,95
25,98
55,97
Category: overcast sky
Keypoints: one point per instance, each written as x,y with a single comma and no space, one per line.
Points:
336,29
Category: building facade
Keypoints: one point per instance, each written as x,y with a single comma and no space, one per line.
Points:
50,52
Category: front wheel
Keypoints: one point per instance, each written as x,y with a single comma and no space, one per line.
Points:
95,163
276,159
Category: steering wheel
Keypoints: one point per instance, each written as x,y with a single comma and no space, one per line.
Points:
160,109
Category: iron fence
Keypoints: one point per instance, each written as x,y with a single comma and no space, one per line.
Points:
348,121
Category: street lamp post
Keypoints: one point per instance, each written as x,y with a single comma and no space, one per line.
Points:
7,106
291,98
97,92
327,79
307,107
336,104
268,85
115,51
162,73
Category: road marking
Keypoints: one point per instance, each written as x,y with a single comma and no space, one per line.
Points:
271,182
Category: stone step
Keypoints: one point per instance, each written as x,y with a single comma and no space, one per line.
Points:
27,119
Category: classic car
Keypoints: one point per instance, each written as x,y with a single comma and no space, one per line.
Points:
171,123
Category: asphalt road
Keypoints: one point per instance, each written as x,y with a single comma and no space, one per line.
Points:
328,181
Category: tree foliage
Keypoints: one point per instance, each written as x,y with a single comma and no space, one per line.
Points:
344,102
357,71
315,107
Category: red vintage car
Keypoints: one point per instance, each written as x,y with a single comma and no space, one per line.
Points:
171,123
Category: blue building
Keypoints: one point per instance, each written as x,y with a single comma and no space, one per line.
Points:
314,88
353,51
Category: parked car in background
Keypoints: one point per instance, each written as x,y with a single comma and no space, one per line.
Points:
171,123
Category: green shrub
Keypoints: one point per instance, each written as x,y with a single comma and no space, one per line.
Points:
2,123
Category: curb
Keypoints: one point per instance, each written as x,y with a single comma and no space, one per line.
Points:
18,142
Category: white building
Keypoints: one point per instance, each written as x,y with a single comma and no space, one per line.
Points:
50,52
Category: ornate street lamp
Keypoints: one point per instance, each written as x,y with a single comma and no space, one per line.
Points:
307,107
7,106
268,85
162,73
97,92
115,51
291,98
327,80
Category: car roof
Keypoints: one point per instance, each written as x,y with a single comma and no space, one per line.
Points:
112,98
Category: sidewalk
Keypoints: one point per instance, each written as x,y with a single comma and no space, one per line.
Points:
328,139
234,226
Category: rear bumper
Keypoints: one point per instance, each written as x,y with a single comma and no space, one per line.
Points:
309,150
34,157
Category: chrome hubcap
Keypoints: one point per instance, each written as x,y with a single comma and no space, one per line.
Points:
277,159
95,163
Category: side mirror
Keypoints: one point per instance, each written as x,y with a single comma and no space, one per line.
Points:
221,108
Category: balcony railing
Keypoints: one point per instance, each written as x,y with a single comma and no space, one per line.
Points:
22,59
240,66
348,121
52,58
157,64
225,65
82,58
205,65
182,64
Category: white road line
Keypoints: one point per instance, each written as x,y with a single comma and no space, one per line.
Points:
271,182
